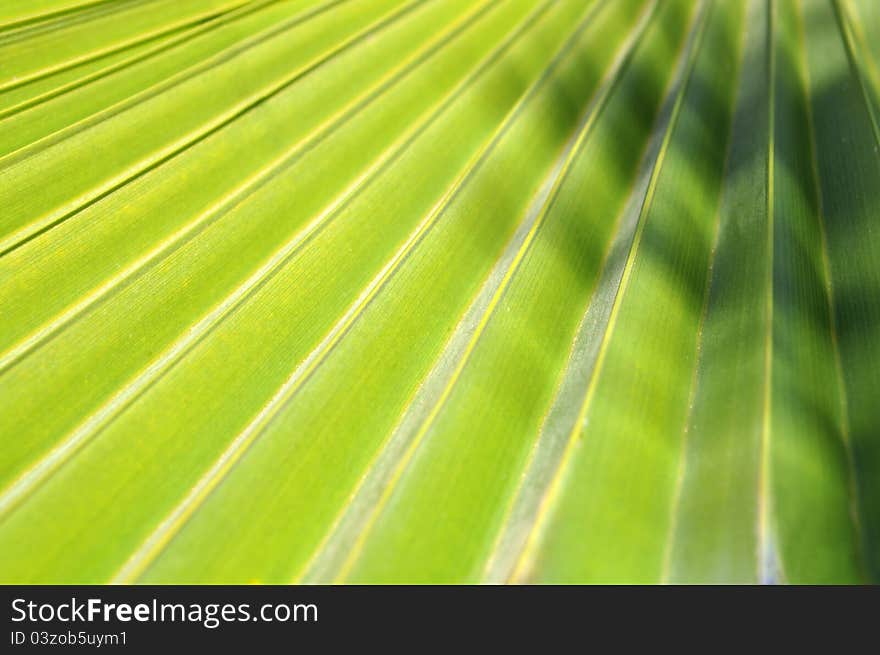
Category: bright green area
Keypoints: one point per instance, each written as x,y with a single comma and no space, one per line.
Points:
517,359
619,474
57,49
440,291
65,99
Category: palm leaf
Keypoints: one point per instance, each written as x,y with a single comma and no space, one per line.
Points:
439,291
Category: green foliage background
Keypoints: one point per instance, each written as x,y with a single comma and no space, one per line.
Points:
439,291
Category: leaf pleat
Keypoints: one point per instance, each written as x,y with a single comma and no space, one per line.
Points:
426,291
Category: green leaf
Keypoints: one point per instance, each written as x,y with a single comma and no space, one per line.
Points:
439,291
